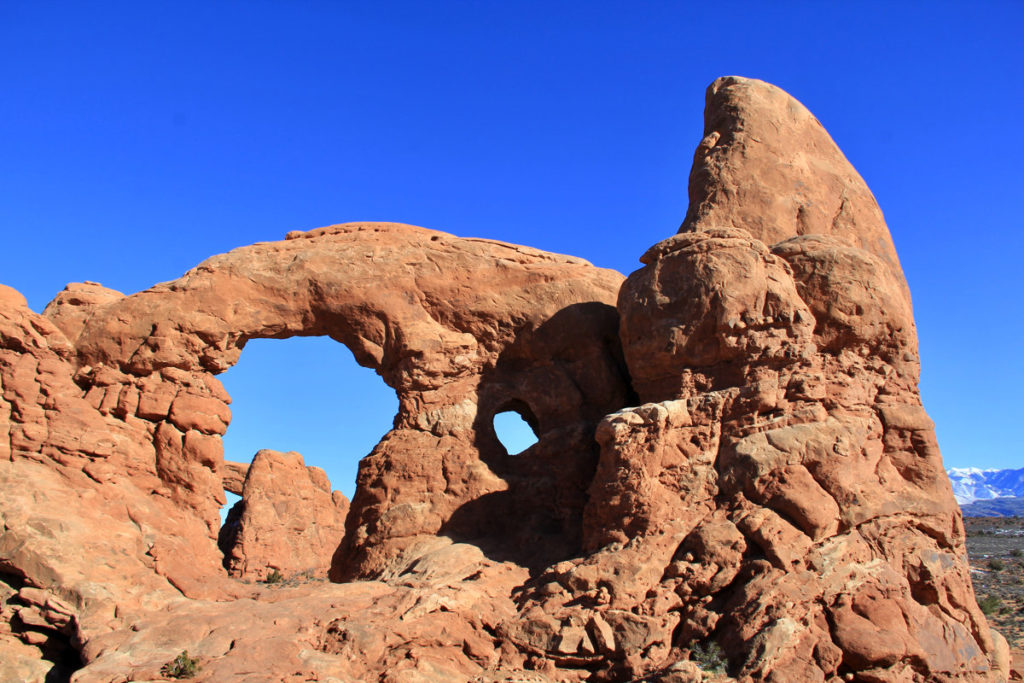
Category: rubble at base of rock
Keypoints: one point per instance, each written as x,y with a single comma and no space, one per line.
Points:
734,476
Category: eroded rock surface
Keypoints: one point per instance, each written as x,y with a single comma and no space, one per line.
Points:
460,328
733,463
288,521
783,439
768,166
804,472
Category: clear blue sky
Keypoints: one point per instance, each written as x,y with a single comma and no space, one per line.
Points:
139,138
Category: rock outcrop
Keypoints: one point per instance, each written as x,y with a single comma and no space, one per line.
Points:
288,521
733,465
768,166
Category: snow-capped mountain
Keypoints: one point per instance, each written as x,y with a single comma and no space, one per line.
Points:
971,483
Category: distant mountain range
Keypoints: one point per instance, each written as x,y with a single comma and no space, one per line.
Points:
983,493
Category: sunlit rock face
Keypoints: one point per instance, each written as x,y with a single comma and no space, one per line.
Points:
288,521
461,329
732,462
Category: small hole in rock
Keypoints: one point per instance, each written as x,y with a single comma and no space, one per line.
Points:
514,432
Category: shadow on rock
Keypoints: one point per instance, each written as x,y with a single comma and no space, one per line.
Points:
562,377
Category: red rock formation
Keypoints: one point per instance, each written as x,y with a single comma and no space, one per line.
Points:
79,300
766,165
288,520
783,441
777,493
460,328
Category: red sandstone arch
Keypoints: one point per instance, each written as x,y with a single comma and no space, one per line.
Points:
456,326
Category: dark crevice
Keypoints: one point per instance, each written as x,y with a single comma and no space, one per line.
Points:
228,534
57,646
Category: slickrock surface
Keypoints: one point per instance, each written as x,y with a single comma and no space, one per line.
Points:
734,470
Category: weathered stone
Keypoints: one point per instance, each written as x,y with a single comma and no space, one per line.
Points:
781,302
778,492
679,331
156,404
767,166
233,475
602,633
70,308
202,413
287,521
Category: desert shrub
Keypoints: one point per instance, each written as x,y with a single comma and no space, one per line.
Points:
306,576
709,657
181,666
989,604
1017,552
274,577
996,565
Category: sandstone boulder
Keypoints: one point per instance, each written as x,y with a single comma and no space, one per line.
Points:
288,521
71,307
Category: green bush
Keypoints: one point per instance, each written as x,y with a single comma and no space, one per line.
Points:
996,565
989,604
709,657
274,577
1017,552
181,666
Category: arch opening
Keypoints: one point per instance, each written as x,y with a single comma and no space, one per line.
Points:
304,395
516,428
307,394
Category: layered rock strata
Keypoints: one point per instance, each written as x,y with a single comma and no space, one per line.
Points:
733,466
